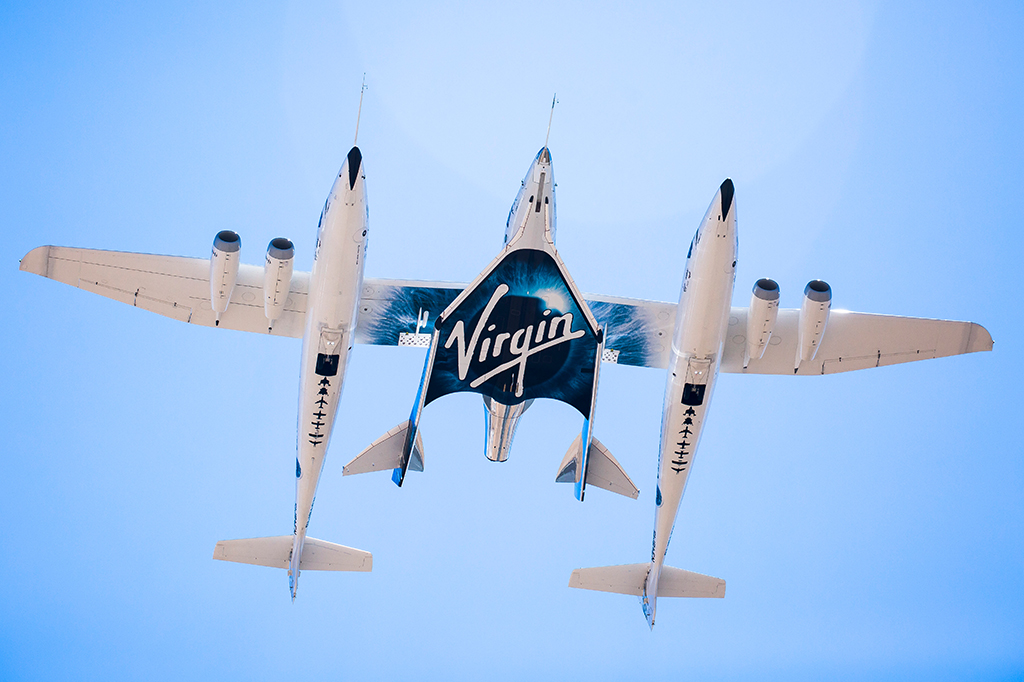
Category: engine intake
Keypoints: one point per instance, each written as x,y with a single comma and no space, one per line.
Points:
764,310
277,277
813,318
227,246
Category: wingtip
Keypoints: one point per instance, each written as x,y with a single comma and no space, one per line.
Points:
35,261
980,339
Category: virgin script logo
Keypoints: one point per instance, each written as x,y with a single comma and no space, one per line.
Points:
522,343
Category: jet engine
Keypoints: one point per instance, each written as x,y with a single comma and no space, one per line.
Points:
277,277
813,318
223,269
764,310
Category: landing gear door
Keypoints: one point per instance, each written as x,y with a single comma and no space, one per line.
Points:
327,357
696,381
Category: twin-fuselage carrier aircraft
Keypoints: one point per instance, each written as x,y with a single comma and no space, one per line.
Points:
520,331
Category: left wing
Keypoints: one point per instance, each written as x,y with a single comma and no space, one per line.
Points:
391,312
173,286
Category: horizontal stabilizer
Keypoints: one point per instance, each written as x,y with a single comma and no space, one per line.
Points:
320,555
275,552
385,453
675,582
630,578
603,470
624,579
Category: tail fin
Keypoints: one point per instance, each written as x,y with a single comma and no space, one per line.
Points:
630,579
603,470
386,453
317,555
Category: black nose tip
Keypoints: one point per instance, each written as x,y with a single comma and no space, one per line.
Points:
355,159
727,192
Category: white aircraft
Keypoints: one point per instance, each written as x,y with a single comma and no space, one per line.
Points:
710,337
520,331
320,306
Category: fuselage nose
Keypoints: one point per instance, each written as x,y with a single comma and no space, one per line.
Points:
354,163
541,166
722,216
350,176
533,212
541,162
725,195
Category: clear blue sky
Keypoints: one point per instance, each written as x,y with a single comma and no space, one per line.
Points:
868,524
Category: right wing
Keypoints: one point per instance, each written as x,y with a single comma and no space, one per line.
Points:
173,286
853,341
639,332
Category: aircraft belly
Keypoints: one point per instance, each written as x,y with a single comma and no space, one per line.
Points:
334,295
318,408
681,432
703,319
329,337
335,283
697,349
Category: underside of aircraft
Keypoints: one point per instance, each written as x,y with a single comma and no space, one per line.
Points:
520,331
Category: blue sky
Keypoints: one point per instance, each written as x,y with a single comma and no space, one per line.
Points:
868,524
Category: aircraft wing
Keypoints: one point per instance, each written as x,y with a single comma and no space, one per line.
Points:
391,312
636,332
396,312
639,332
401,313
173,286
853,341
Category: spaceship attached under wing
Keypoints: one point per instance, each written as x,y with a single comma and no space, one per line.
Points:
520,331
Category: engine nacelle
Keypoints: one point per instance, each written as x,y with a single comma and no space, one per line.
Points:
227,246
764,310
277,277
813,318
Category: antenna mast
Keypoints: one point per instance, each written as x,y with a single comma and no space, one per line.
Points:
554,101
360,112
